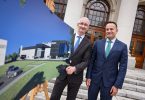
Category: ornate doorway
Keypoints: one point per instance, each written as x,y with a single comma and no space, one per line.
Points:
137,46
137,49
96,33
98,14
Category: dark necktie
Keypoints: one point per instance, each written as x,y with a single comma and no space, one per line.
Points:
77,42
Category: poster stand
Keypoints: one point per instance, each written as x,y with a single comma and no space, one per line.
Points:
39,88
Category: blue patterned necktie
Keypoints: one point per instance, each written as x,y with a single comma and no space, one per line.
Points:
108,48
77,42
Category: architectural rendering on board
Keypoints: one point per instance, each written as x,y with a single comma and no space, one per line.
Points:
51,50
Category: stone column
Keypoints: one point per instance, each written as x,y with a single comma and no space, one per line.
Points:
73,12
125,20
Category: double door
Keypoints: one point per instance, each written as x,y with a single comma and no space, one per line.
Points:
137,50
96,33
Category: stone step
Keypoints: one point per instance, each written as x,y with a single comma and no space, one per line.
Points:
131,81
126,92
135,88
82,94
126,86
41,96
135,75
134,82
140,78
131,94
129,84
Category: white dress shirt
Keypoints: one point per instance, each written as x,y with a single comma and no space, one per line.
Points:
76,38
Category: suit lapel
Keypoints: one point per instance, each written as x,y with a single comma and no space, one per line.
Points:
103,48
114,47
72,44
83,42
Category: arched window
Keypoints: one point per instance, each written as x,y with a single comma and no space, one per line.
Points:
97,11
60,7
139,25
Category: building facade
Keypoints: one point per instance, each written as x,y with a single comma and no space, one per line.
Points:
3,47
59,48
41,51
128,14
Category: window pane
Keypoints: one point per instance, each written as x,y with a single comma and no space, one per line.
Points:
139,47
94,17
98,14
140,22
91,12
60,7
90,16
101,19
97,10
102,14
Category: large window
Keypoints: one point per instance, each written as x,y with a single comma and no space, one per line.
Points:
60,7
139,25
97,11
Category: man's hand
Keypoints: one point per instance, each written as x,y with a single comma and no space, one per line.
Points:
88,82
113,91
70,70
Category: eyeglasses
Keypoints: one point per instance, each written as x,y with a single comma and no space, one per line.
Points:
83,23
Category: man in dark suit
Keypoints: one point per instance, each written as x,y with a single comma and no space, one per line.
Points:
78,61
108,65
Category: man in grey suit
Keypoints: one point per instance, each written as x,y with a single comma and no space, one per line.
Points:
78,61
108,65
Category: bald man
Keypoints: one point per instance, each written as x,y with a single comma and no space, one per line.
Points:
78,61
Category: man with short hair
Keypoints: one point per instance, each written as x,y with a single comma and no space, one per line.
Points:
78,61
108,65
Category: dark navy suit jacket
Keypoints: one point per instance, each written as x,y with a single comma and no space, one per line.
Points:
111,70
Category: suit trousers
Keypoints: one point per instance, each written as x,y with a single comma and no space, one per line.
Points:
72,89
94,89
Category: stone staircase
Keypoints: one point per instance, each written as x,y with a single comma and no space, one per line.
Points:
133,88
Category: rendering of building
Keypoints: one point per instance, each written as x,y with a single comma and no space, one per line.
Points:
34,52
59,49
128,14
3,47
50,50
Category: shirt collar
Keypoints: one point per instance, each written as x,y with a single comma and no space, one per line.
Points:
80,36
113,40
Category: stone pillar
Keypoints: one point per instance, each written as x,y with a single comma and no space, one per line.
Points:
73,12
125,20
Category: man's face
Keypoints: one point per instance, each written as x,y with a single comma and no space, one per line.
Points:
111,30
83,26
